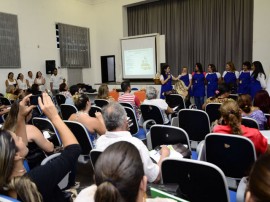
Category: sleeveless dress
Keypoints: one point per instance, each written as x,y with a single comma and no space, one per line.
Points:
212,83
244,82
166,86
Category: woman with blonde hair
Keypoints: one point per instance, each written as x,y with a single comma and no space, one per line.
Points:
103,93
230,77
41,183
231,116
181,89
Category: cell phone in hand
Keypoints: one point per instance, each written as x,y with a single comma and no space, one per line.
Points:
34,99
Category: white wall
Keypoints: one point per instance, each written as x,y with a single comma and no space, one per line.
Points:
36,19
106,21
261,34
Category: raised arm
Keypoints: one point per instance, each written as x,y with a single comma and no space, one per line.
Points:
24,110
48,108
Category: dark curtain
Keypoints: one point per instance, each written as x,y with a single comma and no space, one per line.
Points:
205,31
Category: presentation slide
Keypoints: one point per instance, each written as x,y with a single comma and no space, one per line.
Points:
139,58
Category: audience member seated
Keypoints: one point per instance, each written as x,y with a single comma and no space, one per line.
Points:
34,90
63,90
119,176
11,81
41,183
151,99
3,110
36,141
93,125
262,101
103,93
245,104
128,97
10,93
258,181
74,89
221,95
115,119
231,118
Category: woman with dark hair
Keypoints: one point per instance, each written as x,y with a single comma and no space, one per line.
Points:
221,95
262,100
41,183
212,79
166,80
258,78
244,78
230,77
258,187
93,125
10,80
231,116
119,176
245,104
63,90
40,81
198,87
21,81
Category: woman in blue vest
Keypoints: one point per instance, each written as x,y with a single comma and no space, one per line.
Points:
230,77
166,80
198,86
244,78
258,78
212,79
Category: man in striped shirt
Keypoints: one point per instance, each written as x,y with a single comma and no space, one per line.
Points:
128,97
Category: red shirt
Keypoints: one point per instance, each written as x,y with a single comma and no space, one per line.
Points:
259,141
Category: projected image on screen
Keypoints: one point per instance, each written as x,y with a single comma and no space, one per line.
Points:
139,58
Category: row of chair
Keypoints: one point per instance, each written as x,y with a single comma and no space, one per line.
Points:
228,156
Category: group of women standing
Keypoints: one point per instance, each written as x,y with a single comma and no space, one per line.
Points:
249,80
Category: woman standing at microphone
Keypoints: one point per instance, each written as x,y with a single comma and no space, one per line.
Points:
166,80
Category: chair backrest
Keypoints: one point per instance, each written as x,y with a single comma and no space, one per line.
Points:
126,104
197,180
133,124
233,154
101,102
212,109
4,101
195,122
93,110
44,124
267,125
175,100
165,135
141,95
81,135
94,154
60,99
151,112
67,110
249,122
